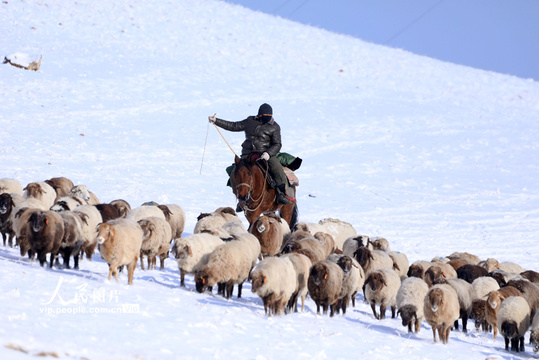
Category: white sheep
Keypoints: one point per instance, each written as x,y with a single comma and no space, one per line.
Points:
212,222
400,263
192,252
380,244
351,244
119,244
534,334
493,302
10,186
229,263
514,321
42,192
274,281
66,203
176,218
156,238
90,217
372,260
381,289
410,302
145,211
83,192
480,289
302,264
441,308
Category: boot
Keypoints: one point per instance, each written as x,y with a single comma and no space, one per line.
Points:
281,195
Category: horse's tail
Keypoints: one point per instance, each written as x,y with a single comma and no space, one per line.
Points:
295,215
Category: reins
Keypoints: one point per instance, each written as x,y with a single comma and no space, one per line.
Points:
250,187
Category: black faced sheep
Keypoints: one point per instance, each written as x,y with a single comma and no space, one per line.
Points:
493,302
410,299
353,280
381,289
67,203
7,204
324,284
274,281
351,244
530,292
192,252
418,268
119,244
441,309
44,233
514,321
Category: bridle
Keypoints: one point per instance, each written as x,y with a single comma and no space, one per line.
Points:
250,187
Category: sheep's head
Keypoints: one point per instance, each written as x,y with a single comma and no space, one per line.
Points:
319,273
362,240
258,279
324,238
498,276
376,280
435,299
408,314
509,329
381,244
123,207
202,280
60,206
147,228
6,203
415,271
433,273
104,232
261,224
166,211
534,340
346,263
39,221
182,252
494,300
34,190
363,256
80,191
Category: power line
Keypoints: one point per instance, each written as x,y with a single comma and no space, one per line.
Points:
296,9
281,6
414,22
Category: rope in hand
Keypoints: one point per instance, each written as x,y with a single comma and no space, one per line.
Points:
206,141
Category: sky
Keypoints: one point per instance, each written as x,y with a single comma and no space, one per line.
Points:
495,35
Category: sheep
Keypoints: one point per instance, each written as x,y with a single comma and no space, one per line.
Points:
119,244
229,263
410,298
400,263
10,186
123,207
19,218
83,192
480,289
294,236
175,216
274,281
381,244
340,230
145,211
231,229
418,268
61,186
351,244
66,203
469,258
441,308
212,222
302,264
353,279
269,232
317,248
493,302
90,218
381,288
7,204
464,294
471,272
73,238
502,277
107,211
513,321
324,284
534,334
530,292
531,275
156,238
372,260
457,263
192,252
492,264
42,192
439,270
327,242
44,233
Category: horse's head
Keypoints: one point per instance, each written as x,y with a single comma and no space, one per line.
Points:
242,179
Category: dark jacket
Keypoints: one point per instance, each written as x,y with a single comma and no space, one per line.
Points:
259,137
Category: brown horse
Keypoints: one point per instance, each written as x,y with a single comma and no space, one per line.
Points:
255,195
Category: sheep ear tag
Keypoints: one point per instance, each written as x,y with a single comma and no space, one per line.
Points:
265,279
203,281
190,252
325,276
47,221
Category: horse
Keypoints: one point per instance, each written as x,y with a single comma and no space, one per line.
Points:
255,195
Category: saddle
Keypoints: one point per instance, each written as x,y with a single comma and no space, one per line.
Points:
293,180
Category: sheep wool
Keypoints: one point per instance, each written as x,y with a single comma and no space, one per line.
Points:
513,322
410,299
381,289
441,308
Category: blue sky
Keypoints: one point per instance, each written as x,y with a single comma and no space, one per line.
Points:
496,35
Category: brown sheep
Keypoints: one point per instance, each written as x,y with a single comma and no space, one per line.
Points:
494,300
119,244
269,232
107,211
310,244
73,238
471,272
123,207
531,275
457,263
44,233
437,271
61,185
441,309
324,284
327,242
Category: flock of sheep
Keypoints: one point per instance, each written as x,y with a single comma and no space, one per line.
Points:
327,261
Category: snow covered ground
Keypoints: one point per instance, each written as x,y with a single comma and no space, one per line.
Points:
433,156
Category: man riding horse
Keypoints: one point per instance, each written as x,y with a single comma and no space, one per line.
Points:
263,136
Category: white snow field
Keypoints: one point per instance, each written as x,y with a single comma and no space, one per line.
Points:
433,156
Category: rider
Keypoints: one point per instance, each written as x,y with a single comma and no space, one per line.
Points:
262,135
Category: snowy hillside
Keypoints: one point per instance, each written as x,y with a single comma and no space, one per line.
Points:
435,157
